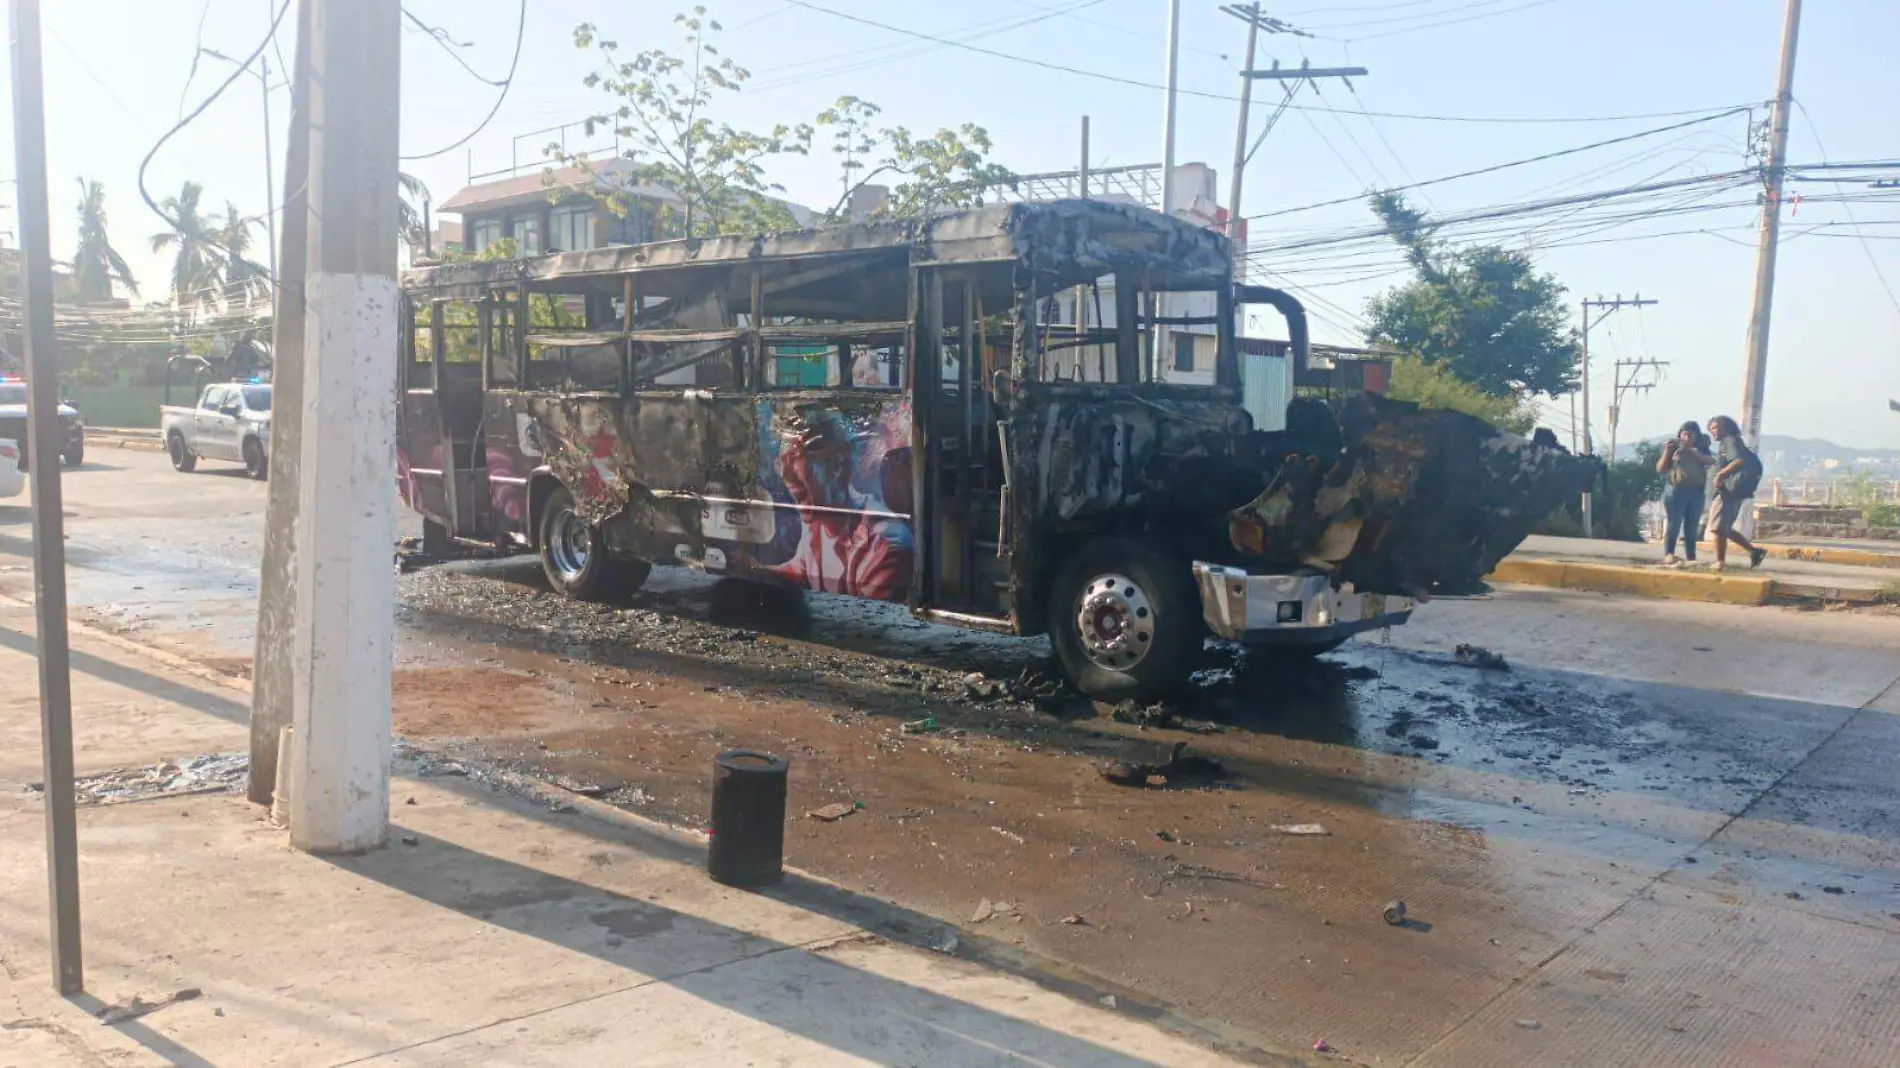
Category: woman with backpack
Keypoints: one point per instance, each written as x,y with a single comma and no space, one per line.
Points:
1685,463
1737,474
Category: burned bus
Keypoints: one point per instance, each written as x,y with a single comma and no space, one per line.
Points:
901,411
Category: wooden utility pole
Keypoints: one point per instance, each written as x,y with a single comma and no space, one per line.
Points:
42,453
1292,77
1774,172
1589,447
276,600
344,589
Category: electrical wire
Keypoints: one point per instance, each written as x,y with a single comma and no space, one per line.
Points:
514,64
441,37
1117,79
1452,22
1872,260
1496,167
1440,13
146,163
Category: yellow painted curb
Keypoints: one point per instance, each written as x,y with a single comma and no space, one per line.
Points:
1834,555
1823,554
1641,581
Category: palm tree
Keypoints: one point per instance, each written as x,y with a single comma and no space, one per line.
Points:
96,264
243,280
409,221
198,268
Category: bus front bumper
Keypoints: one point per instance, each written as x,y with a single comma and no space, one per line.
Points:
1290,609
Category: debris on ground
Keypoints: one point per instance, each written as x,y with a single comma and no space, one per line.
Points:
921,726
1009,834
947,944
216,773
138,1006
987,909
1833,890
1164,834
982,688
585,789
1314,829
1179,766
832,813
1530,1025
1322,1046
1107,1001
1479,657
1075,919
1394,913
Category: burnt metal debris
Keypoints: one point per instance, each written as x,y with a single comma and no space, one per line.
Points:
1400,500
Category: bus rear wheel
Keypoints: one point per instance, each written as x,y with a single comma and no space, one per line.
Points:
1125,620
574,555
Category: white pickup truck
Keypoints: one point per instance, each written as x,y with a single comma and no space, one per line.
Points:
231,421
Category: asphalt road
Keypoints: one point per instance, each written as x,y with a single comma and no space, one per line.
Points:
1668,834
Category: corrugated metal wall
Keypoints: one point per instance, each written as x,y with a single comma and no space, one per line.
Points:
1266,384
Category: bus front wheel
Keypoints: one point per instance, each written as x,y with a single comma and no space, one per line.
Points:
574,555
1125,620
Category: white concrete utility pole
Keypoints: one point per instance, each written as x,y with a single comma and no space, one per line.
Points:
1167,110
271,682
1774,170
343,627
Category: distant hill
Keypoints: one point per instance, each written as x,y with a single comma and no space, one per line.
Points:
1794,453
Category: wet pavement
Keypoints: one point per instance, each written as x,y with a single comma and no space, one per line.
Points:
1665,833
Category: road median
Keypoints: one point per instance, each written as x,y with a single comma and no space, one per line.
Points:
106,437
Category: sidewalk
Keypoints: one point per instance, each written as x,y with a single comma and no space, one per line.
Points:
1790,575
108,437
495,928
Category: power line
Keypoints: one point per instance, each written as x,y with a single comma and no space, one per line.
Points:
237,72
521,34
1872,260
441,37
1408,18
1494,168
1140,84
1452,22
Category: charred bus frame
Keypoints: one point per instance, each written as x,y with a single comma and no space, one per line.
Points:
885,410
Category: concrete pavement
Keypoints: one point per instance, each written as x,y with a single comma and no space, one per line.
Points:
1790,575
494,929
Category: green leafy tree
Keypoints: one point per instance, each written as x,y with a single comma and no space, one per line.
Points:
409,220
198,266
1485,312
97,266
1435,386
663,106
244,280
949,169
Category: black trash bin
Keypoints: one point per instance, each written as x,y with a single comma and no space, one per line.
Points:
748,818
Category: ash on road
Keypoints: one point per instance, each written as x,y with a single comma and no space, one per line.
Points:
1670,833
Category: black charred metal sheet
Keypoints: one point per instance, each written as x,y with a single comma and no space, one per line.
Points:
1053,235
1400,500
1084,453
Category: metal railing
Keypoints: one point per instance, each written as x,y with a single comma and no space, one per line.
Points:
1830,492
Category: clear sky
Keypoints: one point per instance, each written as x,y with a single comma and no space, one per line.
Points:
118,70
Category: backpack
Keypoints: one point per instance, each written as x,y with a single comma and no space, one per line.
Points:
1743,484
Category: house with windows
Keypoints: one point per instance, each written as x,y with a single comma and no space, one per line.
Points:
562,212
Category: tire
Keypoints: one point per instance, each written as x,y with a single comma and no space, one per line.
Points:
75,456
256,464
574,557
183,459
1125,620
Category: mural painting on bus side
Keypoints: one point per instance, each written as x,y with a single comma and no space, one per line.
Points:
844,471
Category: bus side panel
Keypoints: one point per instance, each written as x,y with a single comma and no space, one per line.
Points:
836,472
420,457
513,445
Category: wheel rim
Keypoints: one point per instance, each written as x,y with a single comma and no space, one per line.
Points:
1115,620
569,544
